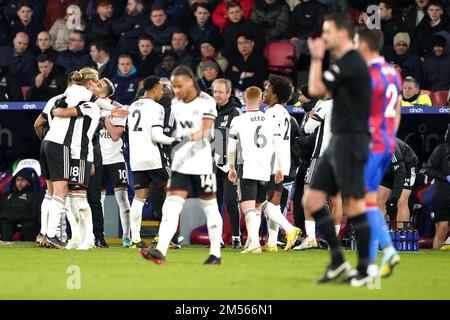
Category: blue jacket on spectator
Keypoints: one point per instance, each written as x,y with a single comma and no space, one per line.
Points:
161,35
176,10
129,28
71,61
126,86
23,65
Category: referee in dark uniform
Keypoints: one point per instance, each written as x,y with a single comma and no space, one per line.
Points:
341,168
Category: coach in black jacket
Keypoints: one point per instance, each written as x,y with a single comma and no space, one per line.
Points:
228,107
20,206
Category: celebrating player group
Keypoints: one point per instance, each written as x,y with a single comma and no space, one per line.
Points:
171,155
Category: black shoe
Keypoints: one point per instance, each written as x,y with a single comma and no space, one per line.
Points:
212,260
153,255
53,243
236,244
355,279
138,245
101,243
333,273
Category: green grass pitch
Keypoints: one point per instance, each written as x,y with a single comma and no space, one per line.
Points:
27,272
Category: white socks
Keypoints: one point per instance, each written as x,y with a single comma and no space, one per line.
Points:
337,227
74,219
273,212
272,232
169,223
56,209
214,223
310,226
82,212
124,210
45,206
253,223
136,219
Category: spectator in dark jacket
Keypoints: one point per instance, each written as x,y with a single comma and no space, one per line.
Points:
126,80
146,60
432,23
247,67
19,59
237,26
160,29
409,63
203,28
102,60
100,27
44,45
438,168
391,24
176,10
414,15
220,16
211,72
48,83
180,46
76,56
208,50
129,27
436,67
20,206
25,21
168,63
272,16
10,9
9,89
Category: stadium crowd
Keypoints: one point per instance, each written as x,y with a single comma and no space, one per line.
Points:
43,42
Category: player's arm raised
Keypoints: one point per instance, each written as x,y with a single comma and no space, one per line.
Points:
115,131
316,86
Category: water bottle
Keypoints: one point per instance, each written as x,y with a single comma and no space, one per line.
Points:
409,239
403,239
416,240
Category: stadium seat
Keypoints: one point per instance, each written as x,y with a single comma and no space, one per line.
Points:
24,92
280,57
439,98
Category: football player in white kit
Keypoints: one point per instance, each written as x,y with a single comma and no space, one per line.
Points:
192,165
148,161
276,94
114,170
254,138
84,119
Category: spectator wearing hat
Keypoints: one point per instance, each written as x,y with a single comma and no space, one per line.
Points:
248,67
19,59
203,28
409,63
436,67
49,82
20,206
411,95
61,29
57,9
25,21
100,27
126,80
435,21
208,51
146,60
211,72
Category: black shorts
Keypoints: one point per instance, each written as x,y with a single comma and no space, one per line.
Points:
159,177
116,174
249,189
204,184
440,214
272,186
54,161
341,168
310,171
80,174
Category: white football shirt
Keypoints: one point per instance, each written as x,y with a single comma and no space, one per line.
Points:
255,133
193,157
112,151
283,119
145,114
321,119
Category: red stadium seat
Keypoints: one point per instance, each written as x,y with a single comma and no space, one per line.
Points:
439,98
24,92
280,57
